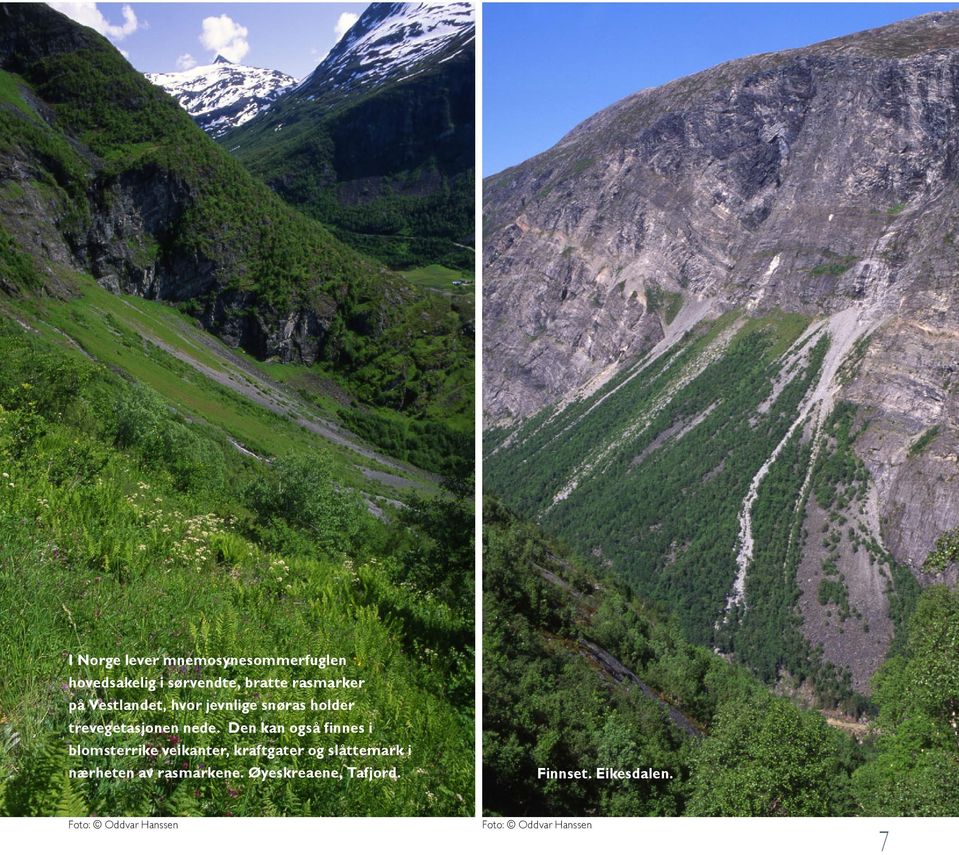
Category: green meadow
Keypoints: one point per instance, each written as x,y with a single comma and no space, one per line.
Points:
148,508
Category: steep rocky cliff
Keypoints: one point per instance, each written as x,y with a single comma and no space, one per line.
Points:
378,140
819,182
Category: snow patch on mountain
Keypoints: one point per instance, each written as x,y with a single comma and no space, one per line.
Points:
392,38
224,95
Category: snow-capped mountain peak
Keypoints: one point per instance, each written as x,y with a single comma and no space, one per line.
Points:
223,94
391,39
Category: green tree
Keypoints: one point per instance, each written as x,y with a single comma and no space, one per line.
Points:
300,490
767,758
916,765
438,552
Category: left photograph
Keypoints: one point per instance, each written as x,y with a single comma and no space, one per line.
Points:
236,409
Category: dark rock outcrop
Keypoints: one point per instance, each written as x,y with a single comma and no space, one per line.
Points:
103,175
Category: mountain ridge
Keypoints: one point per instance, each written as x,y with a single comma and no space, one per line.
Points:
903,29
378,142
223,95
389,38
808,197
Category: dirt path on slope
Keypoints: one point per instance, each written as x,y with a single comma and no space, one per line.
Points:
621,674
259,388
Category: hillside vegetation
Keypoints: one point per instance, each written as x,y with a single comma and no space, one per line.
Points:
104,172
127,528
223,433
389,170
732,748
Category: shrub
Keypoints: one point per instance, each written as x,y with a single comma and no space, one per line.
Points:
300,490
144,424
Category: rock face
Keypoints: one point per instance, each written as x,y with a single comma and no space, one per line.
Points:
378,140
224,95
821,181
103,177
811,180
131,212
119,247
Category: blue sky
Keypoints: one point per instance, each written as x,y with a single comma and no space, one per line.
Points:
546,67
291,37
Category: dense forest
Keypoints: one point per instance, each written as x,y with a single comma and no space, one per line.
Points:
656,498
732,747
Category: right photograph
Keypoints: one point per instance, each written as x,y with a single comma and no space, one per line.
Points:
721,410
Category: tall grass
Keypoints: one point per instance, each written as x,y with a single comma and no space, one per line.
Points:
126,530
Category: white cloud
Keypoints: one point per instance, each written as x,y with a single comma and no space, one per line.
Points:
226,37
90,16
184,62
344,22
124,53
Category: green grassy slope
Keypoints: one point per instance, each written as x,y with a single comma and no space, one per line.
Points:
130,523
168,492
204,380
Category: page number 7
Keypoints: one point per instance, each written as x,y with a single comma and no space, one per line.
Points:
885,837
